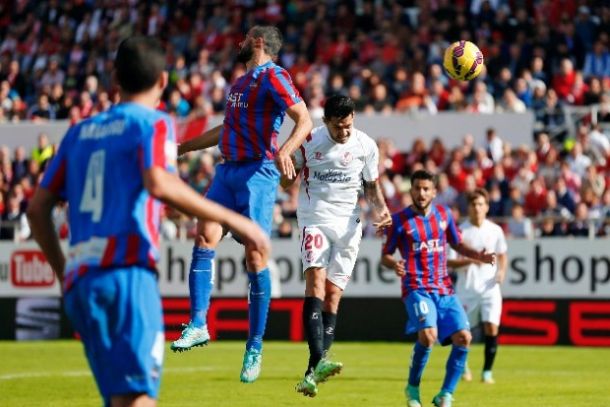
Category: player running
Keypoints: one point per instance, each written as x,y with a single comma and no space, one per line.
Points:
336,162
247,182
421,233
478,284
114,169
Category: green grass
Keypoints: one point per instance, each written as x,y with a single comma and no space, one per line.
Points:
55,373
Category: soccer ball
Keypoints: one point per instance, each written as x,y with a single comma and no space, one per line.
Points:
463,60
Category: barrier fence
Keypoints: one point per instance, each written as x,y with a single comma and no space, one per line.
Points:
557,291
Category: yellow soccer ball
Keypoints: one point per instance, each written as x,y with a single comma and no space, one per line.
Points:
463,60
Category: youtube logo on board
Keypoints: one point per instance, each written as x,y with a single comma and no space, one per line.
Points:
29,268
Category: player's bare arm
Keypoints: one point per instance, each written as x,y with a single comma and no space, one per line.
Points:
208,139
374,197
171,190
286,182
468,251
302,127
461,262
390,262
502,264
43,230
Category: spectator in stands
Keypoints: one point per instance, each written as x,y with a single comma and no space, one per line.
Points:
43,151
14,225
493,145
550,228
20,163
42,110
518,225
445,193
581,225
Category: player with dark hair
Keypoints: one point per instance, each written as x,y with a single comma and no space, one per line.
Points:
247,182
421,233
478,284
114,170
336,162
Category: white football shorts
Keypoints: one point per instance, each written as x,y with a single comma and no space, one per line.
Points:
332,247
484,307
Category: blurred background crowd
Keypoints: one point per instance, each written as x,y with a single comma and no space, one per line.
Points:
548,57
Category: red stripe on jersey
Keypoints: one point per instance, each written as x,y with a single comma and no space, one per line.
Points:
252,116
151,221
437,273
133,246
69,281
427,279
59,179
82,270
305,171
267,130
279,87
151,261
407,253
109,252
309,137
158,148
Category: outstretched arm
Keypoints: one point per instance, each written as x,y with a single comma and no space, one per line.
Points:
302,127
468,251
398,266
374,197
208,139
171,190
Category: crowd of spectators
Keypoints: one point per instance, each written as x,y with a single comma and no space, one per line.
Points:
56,56
543,56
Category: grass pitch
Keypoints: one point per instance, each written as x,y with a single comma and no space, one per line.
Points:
55,373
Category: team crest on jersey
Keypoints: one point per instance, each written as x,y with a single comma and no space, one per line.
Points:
347,158
318,155
443,225
309,257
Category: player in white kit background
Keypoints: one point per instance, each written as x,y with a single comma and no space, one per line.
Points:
478,284
336,163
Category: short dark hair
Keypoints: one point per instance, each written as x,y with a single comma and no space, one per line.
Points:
139,63
423,175
271,36
339,106
477,193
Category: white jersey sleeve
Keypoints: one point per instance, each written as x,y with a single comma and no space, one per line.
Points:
370,172
501,246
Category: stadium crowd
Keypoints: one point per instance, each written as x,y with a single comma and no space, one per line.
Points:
544,56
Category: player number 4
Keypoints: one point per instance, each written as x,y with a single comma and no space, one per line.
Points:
93,195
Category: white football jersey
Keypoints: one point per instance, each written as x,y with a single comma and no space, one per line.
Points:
332,174
480,278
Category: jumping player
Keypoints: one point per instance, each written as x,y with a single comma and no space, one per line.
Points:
336,162
247,182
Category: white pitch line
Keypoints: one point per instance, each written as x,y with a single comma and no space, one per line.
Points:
80,373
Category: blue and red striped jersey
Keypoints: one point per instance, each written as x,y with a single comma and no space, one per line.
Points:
254,113
422,242
98,169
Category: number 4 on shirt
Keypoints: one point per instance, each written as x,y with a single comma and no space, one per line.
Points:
93,194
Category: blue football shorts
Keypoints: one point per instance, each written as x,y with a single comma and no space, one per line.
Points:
444,312
118,315
247,187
